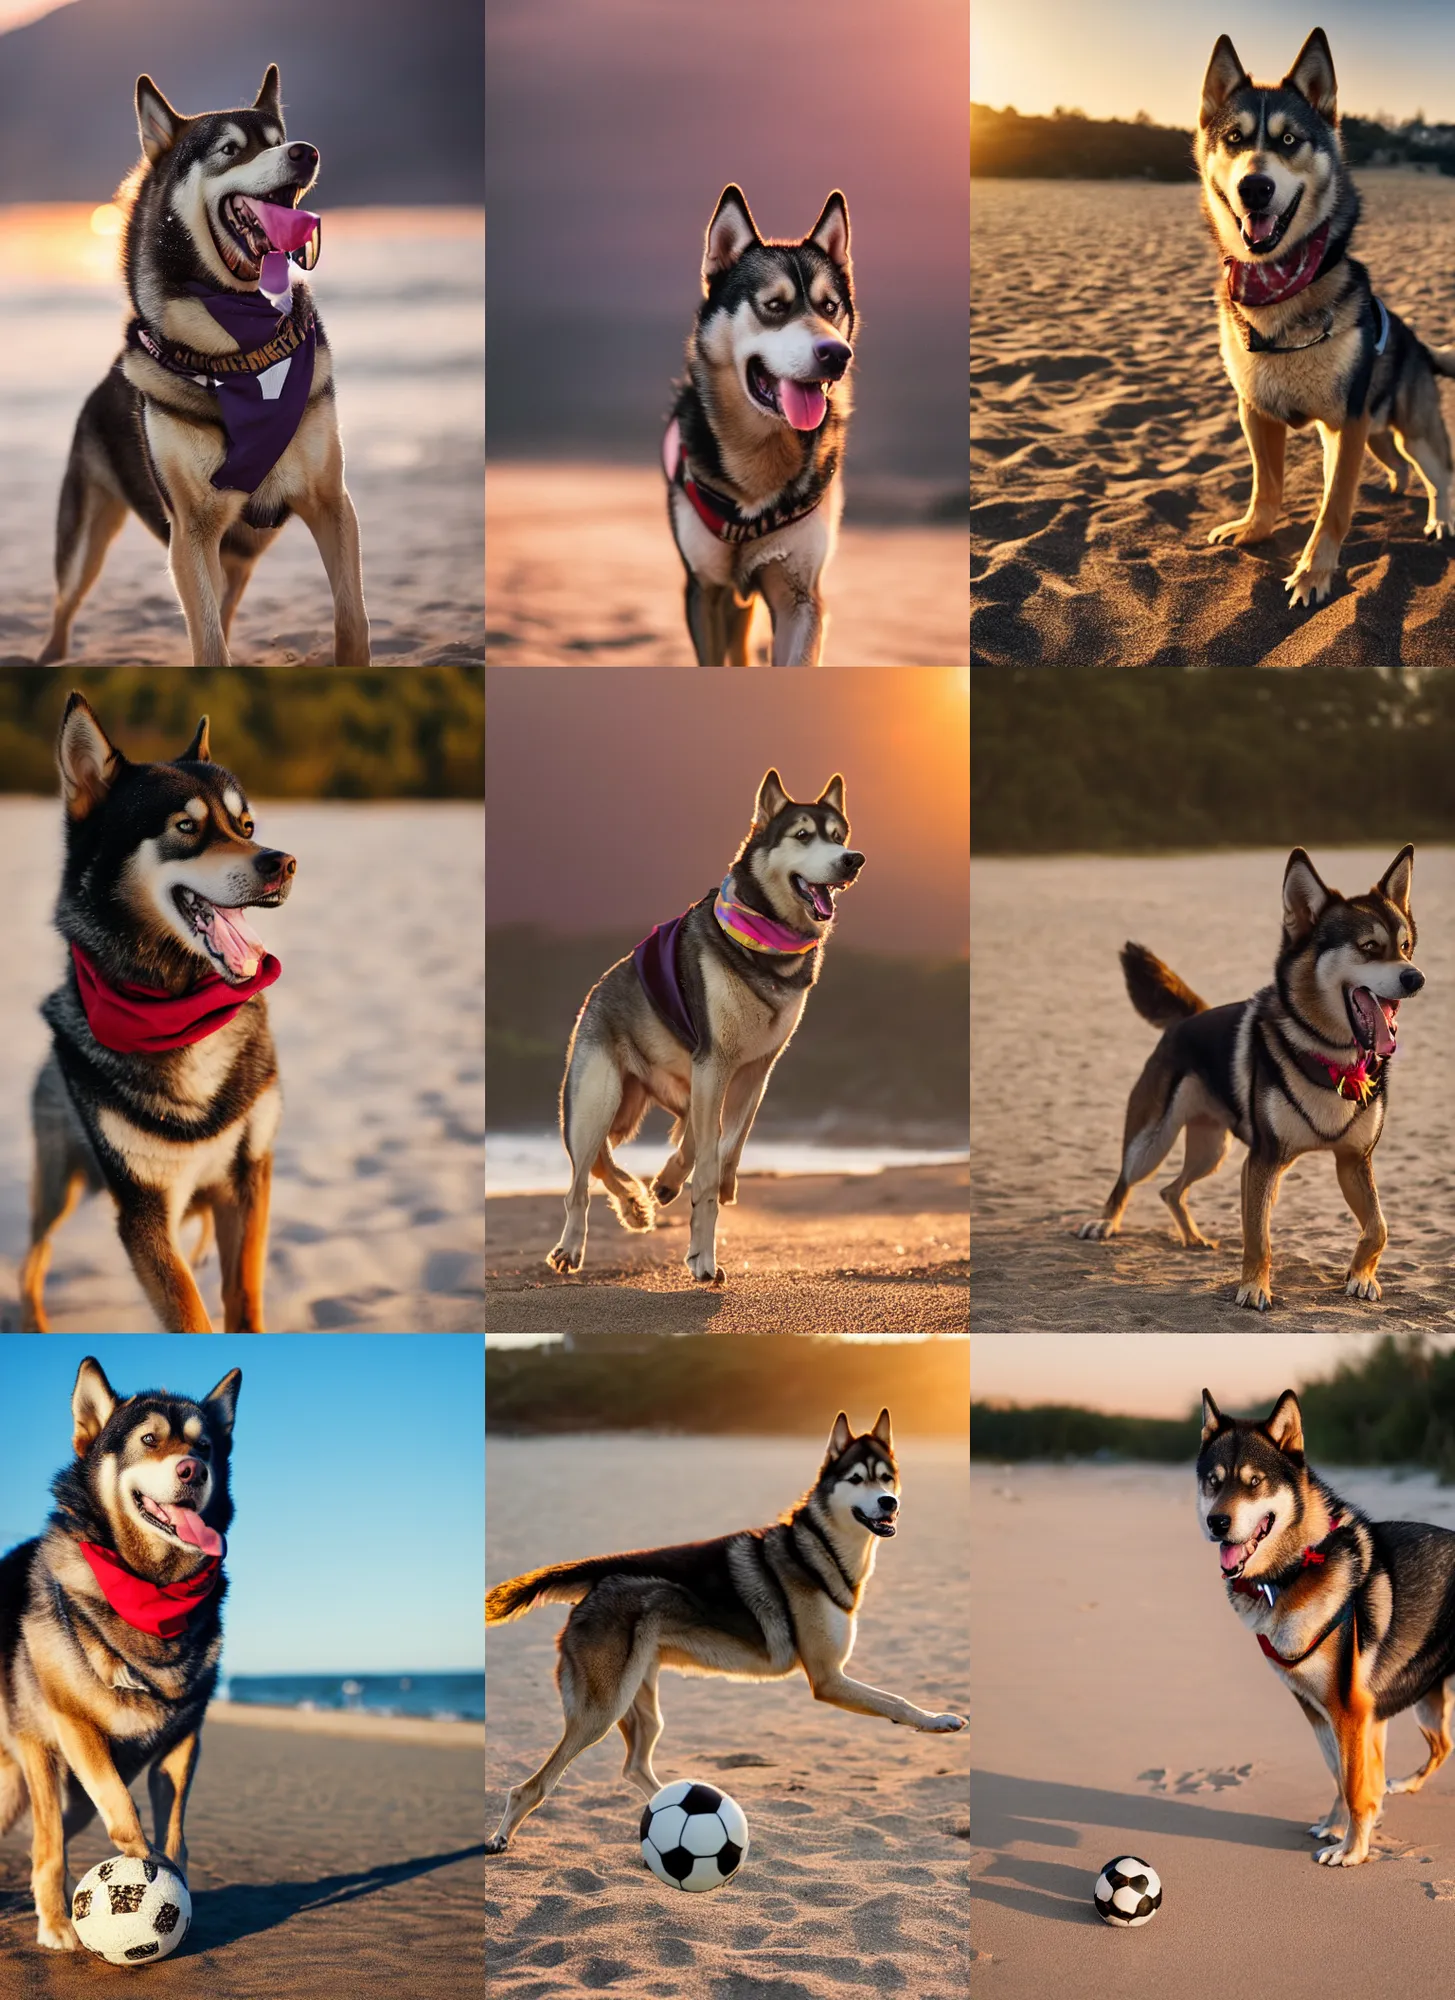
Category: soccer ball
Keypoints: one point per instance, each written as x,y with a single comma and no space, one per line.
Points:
1127,1893
131,1912
694,1836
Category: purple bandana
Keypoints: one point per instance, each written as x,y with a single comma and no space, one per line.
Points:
260,413
655,959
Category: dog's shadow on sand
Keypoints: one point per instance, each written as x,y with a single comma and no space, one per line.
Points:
246,1909
1006,1810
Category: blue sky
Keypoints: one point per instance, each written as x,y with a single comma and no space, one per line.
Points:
358,1477
1119,57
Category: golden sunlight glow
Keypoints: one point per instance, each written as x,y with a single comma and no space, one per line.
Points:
107,220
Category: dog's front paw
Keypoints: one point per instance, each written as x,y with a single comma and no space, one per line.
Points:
565,1260
1342,1856
1363,1285
727,1190
1309,585
663,1192
705,1268
59,1935
1100,1231
1243,532
1256,1296
1439,531
942,1725
497,1844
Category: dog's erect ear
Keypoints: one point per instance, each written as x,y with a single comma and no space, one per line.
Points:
1304,896
92,1401
1225,74
156,121
1285,1425
1312,76
198,751
86,758
222,1401
771,798
731,231
832,794
1212,1417
1396,880
840,1438
882,1431
269,99
831,231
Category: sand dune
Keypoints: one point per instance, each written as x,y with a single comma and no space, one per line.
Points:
580,570
1046,1140
379,1175
321,1868
1106,443
1122,1708
803,1253
855,1877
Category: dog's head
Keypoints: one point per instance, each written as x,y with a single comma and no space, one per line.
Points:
858,1487
150,1475
1253,1487
798,855
1347,962
1269,155
160,860
198,179
778,318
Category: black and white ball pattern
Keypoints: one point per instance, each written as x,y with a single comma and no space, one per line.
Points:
694,1836
1127,1893
131,1911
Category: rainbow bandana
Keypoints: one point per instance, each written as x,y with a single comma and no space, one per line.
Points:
755,932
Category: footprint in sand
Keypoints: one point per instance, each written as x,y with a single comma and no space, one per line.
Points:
1201,1780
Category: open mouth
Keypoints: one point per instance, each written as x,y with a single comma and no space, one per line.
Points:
251,229
877,1524
1374,1021
817,895
183,1524
802,404
1235,1556
224,934
1264,231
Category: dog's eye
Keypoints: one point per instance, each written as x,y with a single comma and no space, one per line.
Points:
228,148
1370,948
184,825
829,308
1232,140
1290,140
148,1437
803,833
774,306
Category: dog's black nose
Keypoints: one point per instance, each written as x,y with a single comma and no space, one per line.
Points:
888,1504
1255,191
852,862
1411,980
833,356
1219,1524
270,863
303,155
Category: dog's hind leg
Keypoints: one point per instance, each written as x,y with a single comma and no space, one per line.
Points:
334,525
42,1767
91,516
632,1201
169,1781
237,570
709,614
56,1187
1432,1712
1356,1178
1429,454
1206,1147
673,1173
1383,447
642,1728
739,632
1153,1123
590,1099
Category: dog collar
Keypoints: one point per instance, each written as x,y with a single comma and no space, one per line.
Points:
719,514
137,1020
1271,283
214,368
755,932
1357,1082
1268,1587
163,1609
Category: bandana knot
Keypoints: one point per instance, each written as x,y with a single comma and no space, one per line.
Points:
1350,1080
1281,278
163,1609
136,1020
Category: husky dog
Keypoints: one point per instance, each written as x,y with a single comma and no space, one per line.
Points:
757,433
1301,1067
1355,1615
161,1085
217,419
696,1018
1304,339
755,1606
111,1630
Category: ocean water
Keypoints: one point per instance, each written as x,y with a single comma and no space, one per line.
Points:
441,1697
535,1162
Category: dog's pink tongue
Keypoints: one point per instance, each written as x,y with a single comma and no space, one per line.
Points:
192,1529
1230,1554
1384,1028
803,403
242,951
1261,227
287,228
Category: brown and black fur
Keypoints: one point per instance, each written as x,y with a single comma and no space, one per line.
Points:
88,1702
148,439
168,1136
757,1605
1256,1069
1363,1632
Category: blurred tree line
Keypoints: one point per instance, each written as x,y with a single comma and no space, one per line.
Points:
288,732
1067,760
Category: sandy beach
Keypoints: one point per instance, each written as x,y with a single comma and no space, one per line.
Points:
803,1253
580,570
1046,1134
379,1170
1106,443
412,417
1121,1708
319,1866
855,1879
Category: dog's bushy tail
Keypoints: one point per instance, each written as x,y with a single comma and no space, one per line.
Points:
561,1583
1442,360
1156,992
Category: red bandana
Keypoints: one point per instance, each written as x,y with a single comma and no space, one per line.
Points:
1271,283
145,1021
162,1609
1353,1075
